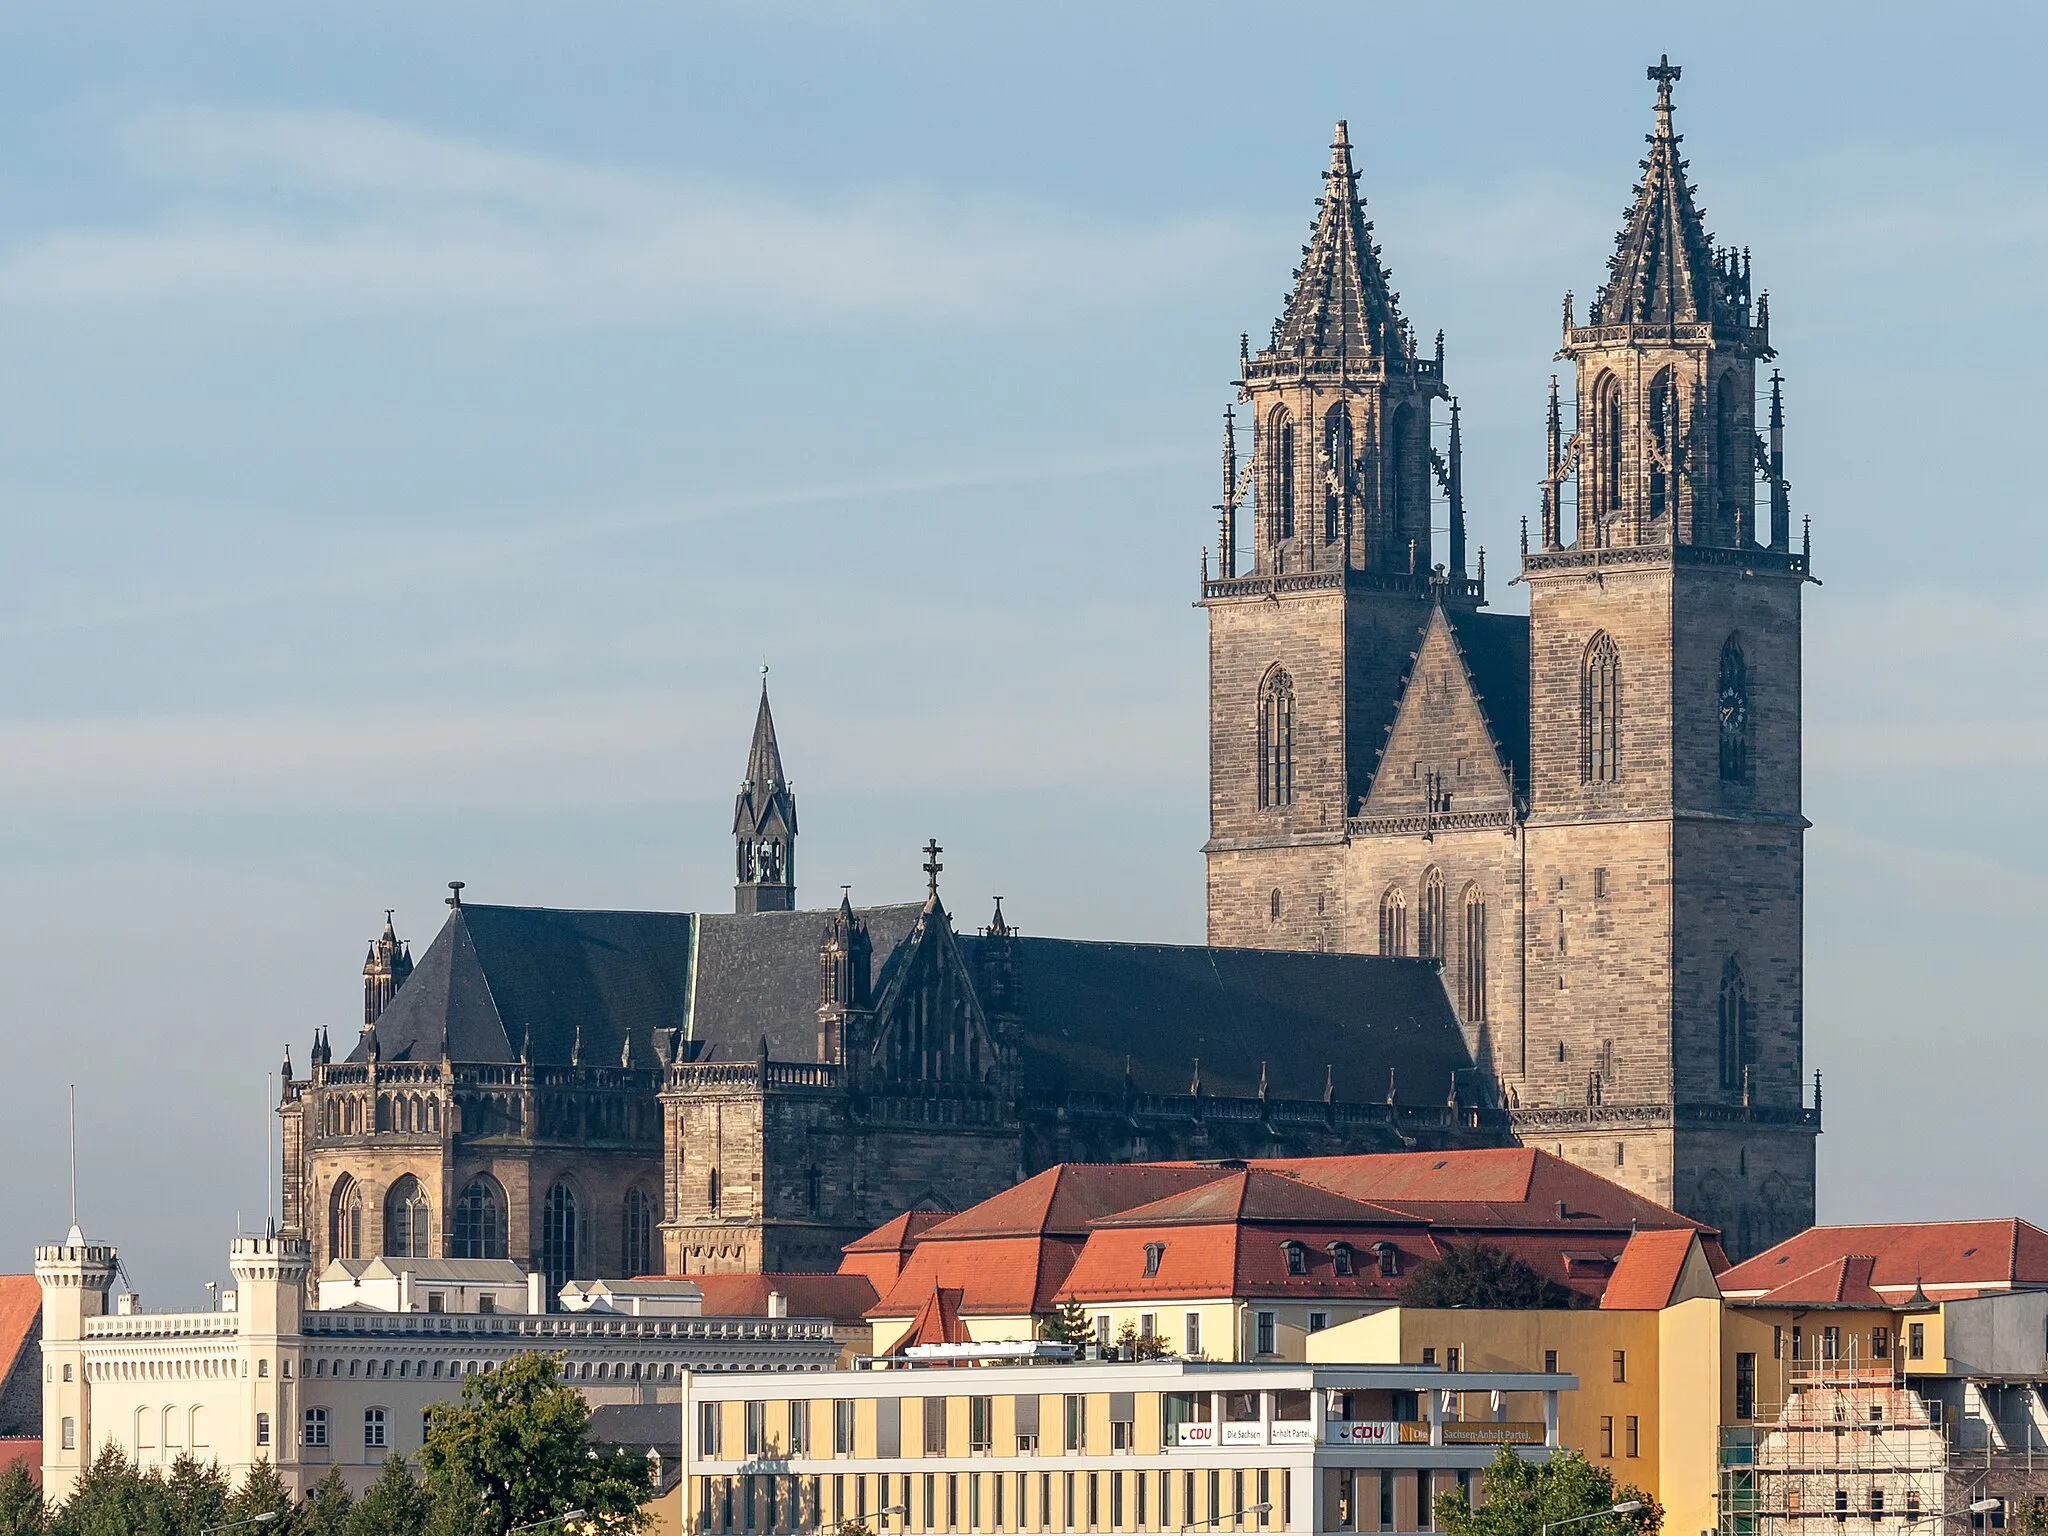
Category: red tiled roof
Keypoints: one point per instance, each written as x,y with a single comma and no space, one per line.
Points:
1648,1271
880,1254
1487,1188
1839,1282
28,1451
1068,1197
937,1322
1081,1230
1251,1194
1941,1258
845,1298
21,1310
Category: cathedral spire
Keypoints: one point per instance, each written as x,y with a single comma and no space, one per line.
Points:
764,823
1341,304
385,969
1664,270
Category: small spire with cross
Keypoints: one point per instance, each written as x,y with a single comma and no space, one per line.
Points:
1664,72
932,866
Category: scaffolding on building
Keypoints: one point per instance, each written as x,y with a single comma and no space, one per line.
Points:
1847,1441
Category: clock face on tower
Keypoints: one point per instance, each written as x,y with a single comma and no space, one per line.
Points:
1734,708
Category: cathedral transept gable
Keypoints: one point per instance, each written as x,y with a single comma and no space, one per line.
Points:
1459,741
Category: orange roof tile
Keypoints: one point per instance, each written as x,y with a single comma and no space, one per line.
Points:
1648,1271
937,1322
1839,1282
880,1254
844,1298
26,1450
21,1316
1940,1258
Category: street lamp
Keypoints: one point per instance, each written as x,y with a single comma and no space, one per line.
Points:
1625,1507
1235,1514
536,1525
893,1509
235,1525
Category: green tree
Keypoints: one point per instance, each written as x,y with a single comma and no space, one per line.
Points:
521,1441
1141,1346
1523,1497
394,1505
1070,1325
21,1502
198,1495
457,1511
112,1499
327,1507
264,1492
1481,1275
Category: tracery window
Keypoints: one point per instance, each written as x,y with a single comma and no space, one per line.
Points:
345,1236
1663,437
1607,458
1280,475
558,1238
479,1221
1732,464
1429,920
1473,959
1732,698
1394,921
1736,1018
1600,712
1276,741
1337,471
407,1220
640,1221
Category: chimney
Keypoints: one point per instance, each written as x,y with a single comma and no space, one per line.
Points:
405,1290
536,1292
778,1304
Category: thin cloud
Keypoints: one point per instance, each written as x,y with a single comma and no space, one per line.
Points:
344,211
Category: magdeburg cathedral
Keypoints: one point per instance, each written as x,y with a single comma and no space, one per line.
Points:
1473,878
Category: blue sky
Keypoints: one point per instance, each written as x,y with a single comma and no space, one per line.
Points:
417,424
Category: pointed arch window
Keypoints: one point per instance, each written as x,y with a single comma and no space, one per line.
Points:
1337,471
1607,456
1472,959
407,1220
1401,440
1737,1019
1394,921
1733,467
1663,438
1276,741
1280,475
479,1221
1429,919
1600,712
638,1246
558,1238
1732,698
345,1235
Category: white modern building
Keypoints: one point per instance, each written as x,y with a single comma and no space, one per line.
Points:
266,1378
972,1441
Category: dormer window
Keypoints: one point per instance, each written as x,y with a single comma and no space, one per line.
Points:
1153,1253
1297,1258
1389,1257
1340,1259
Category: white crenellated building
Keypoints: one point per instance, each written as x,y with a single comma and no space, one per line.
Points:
266,1378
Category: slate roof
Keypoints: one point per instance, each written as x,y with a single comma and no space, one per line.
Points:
757,974
1496,651
1089,1008
1663,270
495,978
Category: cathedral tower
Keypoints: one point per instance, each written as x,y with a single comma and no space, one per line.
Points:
764,824
1315,606
1660,1039
384,970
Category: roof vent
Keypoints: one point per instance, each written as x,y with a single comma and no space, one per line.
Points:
1562,1213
